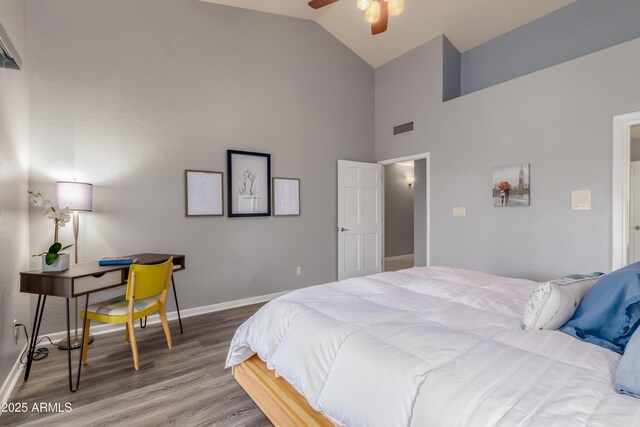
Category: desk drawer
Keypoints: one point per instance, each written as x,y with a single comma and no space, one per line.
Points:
85,284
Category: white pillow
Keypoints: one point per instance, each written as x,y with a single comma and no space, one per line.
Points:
553,303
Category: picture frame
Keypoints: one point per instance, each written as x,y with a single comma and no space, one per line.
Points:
510,185
204,193
248,186
286,196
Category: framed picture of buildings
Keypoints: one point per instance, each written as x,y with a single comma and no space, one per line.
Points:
511,185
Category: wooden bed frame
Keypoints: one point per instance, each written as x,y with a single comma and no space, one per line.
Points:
279,401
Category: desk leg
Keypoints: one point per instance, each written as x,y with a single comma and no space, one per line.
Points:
34,334
84,324
175,295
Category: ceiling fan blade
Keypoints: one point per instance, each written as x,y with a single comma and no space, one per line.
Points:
380,26
317,4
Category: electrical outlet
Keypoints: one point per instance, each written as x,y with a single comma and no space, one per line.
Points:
298,271
15,331
253,277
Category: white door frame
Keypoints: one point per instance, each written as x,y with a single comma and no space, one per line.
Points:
621,162
427,157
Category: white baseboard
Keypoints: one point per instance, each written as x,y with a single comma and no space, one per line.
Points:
16,370
11,380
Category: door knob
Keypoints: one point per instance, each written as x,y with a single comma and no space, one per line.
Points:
346,229
637,227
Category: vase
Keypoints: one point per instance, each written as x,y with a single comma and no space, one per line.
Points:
61,264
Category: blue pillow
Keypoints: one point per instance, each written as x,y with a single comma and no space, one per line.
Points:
628,373
610,313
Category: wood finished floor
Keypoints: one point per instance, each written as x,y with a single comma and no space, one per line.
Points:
186,385
398,263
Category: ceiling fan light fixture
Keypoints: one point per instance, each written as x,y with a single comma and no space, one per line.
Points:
396,7
373,12
364,4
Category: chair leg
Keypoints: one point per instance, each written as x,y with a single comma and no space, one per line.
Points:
134,346
85,344
126,332
165,324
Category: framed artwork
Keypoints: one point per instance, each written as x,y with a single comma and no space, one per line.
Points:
203,193
248,189
286,196
511,185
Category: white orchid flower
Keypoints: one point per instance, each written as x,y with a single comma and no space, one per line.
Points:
52,211
37,201
65,216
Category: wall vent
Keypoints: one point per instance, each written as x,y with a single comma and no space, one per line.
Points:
8,55
405,127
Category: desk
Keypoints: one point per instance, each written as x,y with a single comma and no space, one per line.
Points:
83,279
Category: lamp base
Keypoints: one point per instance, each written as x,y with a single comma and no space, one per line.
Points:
75,343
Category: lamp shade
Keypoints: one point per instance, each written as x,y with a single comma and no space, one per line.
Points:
77,196
396,7
364,4
372,14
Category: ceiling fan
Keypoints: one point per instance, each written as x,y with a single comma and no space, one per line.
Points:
375,11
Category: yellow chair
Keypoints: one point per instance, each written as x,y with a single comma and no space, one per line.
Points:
147,289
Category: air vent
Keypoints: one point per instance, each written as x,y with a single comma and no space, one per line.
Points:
8,56
406,127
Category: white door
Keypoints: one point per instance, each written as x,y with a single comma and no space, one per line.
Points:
634,213
359,219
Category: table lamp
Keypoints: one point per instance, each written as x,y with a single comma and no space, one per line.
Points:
78,197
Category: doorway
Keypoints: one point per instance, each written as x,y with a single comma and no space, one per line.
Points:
624,210
633,252
399,206
406,214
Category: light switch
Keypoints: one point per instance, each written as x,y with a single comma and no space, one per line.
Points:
460,211
581,200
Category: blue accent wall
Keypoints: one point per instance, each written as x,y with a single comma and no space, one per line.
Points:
576,30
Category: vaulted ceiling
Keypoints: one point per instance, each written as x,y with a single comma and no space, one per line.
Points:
467,23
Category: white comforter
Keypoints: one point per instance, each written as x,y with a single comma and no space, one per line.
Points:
432,347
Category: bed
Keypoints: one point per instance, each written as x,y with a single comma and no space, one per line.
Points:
430,346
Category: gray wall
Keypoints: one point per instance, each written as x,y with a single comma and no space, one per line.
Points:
14,164
559,120
635,150
451,68
128,94
581,28
420,213
398,211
